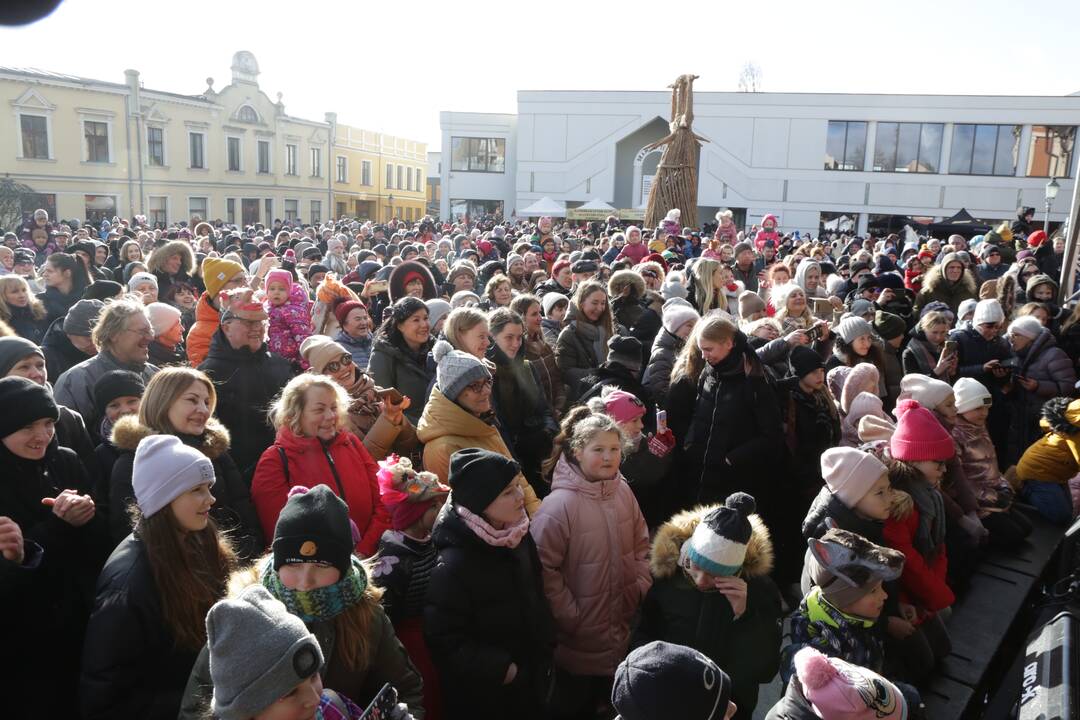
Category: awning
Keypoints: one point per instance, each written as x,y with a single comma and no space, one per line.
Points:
544,206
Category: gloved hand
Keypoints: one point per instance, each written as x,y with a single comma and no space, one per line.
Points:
974,527
661,443
400,712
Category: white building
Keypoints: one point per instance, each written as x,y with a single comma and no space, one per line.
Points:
808,158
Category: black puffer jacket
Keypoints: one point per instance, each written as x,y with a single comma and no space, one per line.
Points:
411,373
793,705
616,375
485,610
25,325
246,383
657,375
233,510
56,303
60,354
131,665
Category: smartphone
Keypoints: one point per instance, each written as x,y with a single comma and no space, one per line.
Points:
382,705
390,394
661,422
950,347
378,286
821,308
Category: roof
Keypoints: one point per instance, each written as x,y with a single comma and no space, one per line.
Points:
50,75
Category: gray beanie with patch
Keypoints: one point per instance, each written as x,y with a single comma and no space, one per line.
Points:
258,653
456,369
82,317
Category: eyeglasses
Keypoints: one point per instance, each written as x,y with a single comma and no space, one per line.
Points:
143,333
479,386
334,365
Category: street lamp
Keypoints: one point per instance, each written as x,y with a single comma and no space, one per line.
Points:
390,200
1052,188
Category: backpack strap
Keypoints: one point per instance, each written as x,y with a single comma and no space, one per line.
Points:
284,464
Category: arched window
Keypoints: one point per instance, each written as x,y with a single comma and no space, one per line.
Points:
247,114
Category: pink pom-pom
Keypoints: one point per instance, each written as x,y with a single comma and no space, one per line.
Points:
814,669
903,406
297,490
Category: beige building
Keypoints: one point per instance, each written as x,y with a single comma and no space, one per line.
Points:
90,149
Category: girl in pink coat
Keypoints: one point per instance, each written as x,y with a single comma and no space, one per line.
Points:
594,549
767,232
290,315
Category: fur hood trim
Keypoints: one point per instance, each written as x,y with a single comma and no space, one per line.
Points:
664,559
935,277
128,431
249,575
623,280
156,261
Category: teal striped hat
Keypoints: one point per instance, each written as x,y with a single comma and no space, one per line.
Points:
718,544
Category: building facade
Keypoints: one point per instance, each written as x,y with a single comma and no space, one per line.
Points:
434,183
92,149
815,160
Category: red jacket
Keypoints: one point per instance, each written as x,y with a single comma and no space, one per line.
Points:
351,477
923,583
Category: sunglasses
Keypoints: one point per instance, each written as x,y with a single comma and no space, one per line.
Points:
334,365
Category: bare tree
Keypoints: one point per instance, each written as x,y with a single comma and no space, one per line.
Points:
11,194
750,78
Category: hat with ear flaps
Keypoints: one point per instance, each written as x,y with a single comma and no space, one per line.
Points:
847,566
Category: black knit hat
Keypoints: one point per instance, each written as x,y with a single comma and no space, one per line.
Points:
889,326
314,527
24,402
13,349
664,680
625,351
478,476
804,361
115,384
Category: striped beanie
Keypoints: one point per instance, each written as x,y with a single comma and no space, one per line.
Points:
718,544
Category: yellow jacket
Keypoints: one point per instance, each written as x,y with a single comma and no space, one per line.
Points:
1055,457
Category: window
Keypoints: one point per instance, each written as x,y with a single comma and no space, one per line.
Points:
408,179
198,207
400,185
475,208
268,210
365,172
316,162
155,146
835,222
230,211
845,145
419,180
342,169
247,114
341,209
158,210
908,147
292,210
389,176
478,154
984,149
35,136
1051,151
97,141
316,211
263,149
291,155
100,207
234,154
29,202
197,150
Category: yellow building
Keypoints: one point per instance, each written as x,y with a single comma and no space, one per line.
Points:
378,176
91,149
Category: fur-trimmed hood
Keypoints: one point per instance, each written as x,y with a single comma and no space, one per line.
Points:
249,575
399,273
664,559
623,280
128,431
1061,415
156,261
935,277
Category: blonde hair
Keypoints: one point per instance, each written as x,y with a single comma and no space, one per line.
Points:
37,308
577,430
932,318
493,283
705,293
584,290
289,405
460,321
689,363
165,388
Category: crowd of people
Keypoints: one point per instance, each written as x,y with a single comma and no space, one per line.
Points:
514,469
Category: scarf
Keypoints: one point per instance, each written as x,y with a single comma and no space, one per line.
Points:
595,337
930,535
508,537
322,603
364,408
821,626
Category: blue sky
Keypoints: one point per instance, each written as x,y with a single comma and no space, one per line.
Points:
393,66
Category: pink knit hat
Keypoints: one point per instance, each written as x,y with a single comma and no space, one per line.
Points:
281,276
864,377
919,436
850,473
622,406
837,690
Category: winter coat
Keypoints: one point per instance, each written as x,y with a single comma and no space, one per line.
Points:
25,325
163,355
233,510
446,427
973,352
615,375
75,388
892,374
980,463
290,324
675,611
387,662
60,354
551,329
411,373
793,705
578,356
207,322
819,624
923,580
45,603
986,271
1046,363
634,252
132,667
343,465
525,419
646,474
542,358
403,570
936,287
657,376
359,348
71,433
594,548
643,323
485,610
920,357
247,383
1068,340
812,426
1055,457
56,303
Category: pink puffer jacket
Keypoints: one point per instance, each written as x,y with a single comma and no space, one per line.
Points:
979,459
290,324
594,547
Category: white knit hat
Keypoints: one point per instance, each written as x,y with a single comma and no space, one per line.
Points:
1026,325
967,306
970,394
550,299
141,277
927,391
850,473
852,327
987,311
678,312
162,316
165,468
